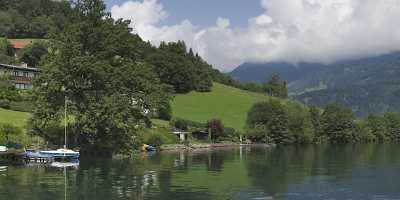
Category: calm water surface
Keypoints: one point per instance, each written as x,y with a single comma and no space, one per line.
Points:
305,173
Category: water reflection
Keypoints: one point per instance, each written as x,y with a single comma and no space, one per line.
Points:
312,172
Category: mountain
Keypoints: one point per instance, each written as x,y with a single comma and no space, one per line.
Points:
259,72
367,85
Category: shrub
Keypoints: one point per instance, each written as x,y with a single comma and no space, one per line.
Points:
9,133
158,137
216,127
4,103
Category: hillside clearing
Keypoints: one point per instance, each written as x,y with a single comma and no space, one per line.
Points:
223,102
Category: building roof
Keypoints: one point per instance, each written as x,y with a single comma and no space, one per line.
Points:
19,68
20,44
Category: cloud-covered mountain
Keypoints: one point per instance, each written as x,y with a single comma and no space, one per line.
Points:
294,31
367,85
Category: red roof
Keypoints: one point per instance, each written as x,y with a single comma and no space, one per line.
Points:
20,44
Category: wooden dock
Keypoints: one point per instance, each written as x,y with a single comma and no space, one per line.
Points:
15,156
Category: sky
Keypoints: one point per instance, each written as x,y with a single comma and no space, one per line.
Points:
227,33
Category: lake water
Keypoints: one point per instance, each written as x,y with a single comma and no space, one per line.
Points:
305,173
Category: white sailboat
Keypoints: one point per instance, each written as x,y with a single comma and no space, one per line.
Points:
63,153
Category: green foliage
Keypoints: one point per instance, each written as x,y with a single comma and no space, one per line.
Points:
392,125
8,133
216,128
32,18
338,123
6,51
92,64
276,87
8,93
377,126
269,121
315,115
180,69
158,137
300,122
33,53
165,112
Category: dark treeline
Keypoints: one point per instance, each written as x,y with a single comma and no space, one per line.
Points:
285,123
32,18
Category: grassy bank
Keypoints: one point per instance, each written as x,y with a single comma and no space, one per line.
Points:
226,103
19,119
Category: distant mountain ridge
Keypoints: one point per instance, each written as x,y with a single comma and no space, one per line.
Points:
367,85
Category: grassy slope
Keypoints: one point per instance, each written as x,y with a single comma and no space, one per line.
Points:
19,119
226,103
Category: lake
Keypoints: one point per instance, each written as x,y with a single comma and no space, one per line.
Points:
363,171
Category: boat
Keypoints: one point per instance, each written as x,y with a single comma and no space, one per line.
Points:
59,154
3,149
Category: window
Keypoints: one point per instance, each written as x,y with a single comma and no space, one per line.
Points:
26,74
15,73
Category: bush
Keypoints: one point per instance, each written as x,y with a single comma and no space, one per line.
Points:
4,103
185,125
22,106
158,137
216,127
165,112
9,133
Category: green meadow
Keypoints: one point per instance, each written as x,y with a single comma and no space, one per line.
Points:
225,103
15,118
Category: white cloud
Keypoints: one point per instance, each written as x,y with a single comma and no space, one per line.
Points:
288,30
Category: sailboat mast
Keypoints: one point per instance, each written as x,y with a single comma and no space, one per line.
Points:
65,123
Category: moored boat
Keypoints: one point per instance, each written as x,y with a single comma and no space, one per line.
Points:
61,153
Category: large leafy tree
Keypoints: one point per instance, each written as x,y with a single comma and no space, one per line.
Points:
110,94
276,87
33,53
6,51
269,121
338,123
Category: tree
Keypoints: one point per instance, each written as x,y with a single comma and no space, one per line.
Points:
276,87
33,53
6,52
392,125
300,122
92,65
7,131
315,115
216,128
377,125
338,123
180,69
269,120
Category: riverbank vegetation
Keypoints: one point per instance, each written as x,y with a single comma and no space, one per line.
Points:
275,122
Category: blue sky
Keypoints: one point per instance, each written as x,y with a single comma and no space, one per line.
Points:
229,32
205,12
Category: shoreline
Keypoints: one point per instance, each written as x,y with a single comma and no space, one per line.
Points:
197,147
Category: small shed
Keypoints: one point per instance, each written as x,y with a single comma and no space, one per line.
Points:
182,135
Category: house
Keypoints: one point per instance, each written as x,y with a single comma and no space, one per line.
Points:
18,45
21,76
